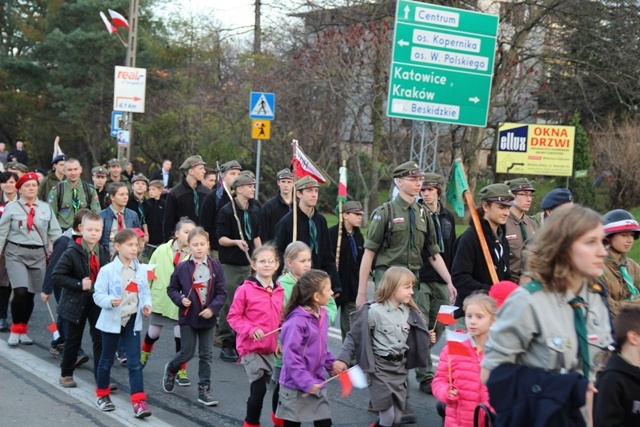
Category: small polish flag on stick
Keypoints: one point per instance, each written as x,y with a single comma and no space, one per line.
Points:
445,315
456,343
352,377
150,274
118,20
52,327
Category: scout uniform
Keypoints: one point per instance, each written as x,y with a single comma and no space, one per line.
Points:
399,231
536,329
432,291
273,210
621,275
213,203
103,197
234,261
518,229
51,180
135,204
73,199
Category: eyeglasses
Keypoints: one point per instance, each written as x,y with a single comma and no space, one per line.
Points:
525,195
267,262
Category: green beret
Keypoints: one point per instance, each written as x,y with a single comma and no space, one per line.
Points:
352,207
243,179
191,162
497,193
407,169
520,184
285,174
99,170
306,182
432,180
233,164
140,177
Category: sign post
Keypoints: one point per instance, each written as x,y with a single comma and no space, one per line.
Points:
129,88
442,64
262,109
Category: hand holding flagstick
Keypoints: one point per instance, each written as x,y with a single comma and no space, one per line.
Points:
52,327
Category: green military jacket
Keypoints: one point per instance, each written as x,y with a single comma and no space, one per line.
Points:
390,237
64,209
49,181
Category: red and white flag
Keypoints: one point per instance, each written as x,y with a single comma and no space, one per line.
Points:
445,314
118,20
54,330
150,274
108,24
457,343
303,166
342,185
132,287
352,377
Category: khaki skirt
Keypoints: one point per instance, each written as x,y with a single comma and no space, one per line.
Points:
25,267
295,405
388,384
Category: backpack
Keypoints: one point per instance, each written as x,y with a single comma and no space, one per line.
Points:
85,187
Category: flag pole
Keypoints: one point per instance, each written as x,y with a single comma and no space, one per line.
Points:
293,201
340,221
477,224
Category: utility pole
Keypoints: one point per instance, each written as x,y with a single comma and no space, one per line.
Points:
130,61
257,29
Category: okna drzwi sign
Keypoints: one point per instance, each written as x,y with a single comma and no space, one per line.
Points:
535,149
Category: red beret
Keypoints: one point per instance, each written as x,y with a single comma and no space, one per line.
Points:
139,232
26,177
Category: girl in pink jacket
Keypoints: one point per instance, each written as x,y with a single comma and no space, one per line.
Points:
465,390
255,314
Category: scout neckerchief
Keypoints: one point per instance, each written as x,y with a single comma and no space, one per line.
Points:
75,201
580,324
629,282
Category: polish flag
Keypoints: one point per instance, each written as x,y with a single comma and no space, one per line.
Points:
342,185
132,287
108,24
456,343
53,328
303,166
118,20
150,274
353,377
200,284
445,314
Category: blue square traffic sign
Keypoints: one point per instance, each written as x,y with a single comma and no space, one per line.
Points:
262,105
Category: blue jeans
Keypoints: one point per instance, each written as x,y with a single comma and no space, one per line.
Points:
132,347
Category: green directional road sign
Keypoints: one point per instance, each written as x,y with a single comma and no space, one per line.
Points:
442,64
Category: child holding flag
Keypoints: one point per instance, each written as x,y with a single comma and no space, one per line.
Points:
121,290
388,337
198,287
457,380
305,357
255,315
165,312
76,273
297,259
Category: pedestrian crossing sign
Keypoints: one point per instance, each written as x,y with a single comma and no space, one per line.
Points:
260,129
262,105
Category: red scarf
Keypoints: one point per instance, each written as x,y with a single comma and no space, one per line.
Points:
120,222
32,214
94,263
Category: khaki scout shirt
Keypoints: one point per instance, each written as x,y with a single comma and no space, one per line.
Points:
537,330
617,289
13,224
398,250
129,304
66,213
516,241
390,328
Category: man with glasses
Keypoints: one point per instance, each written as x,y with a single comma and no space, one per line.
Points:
520,226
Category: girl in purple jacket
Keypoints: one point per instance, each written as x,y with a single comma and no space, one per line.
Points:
306,358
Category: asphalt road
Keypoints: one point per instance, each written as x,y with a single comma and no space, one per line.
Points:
29,391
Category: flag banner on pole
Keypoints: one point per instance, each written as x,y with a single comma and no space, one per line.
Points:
108,24
352,377
445,314
132,287
53,328
456,343
457,187
342,185
57,151
303,166
118,20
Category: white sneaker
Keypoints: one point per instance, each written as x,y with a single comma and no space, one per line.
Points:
14,339
24,339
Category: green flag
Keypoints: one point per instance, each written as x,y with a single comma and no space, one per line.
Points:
457,186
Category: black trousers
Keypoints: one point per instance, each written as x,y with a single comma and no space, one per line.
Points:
73,340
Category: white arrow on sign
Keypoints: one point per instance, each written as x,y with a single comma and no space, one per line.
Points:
475,99
407,9
403,43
